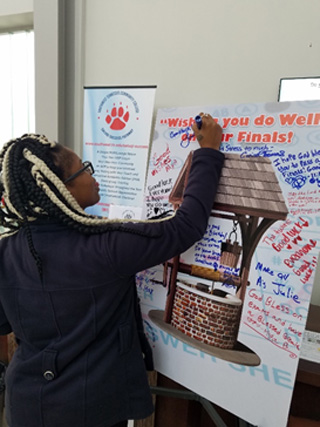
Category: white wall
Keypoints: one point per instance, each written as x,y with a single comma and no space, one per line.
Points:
59,69
12,7
16,14
202,52
47,66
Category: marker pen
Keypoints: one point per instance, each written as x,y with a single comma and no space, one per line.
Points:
198,121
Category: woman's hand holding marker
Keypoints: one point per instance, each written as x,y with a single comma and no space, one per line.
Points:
207,131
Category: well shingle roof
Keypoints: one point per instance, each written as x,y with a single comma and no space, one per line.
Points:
248,185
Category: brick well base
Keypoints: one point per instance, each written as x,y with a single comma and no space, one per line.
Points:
207,318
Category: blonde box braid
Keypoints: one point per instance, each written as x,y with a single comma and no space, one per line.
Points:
31,186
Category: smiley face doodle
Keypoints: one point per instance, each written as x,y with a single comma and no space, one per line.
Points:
117,119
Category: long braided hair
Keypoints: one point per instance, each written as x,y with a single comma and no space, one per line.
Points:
32,171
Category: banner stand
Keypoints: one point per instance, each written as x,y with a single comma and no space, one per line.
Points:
206,404
116,135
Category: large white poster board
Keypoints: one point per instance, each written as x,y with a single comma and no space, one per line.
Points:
281,273
116,136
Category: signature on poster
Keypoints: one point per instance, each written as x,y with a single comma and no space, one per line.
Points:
162,162
207,250
304,201
288,237
300,169
144,282
274,320
156,199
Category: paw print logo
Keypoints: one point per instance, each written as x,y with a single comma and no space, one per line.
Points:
117,119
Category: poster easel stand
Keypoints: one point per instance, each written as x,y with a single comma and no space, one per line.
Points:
206,404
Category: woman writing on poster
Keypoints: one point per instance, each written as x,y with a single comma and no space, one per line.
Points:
67,286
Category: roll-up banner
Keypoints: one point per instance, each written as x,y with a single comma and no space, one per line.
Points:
117,124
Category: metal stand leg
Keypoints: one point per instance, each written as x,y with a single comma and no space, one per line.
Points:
182,394
243,423
207,405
